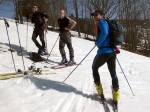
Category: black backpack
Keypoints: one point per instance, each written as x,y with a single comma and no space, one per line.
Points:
35,57
116,32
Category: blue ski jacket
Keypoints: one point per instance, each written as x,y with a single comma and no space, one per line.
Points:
103,38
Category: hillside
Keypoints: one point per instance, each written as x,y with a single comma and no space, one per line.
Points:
47,93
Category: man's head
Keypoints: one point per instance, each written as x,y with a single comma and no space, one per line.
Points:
35,8
62,13
98,14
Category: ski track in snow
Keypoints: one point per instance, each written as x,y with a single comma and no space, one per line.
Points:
47,93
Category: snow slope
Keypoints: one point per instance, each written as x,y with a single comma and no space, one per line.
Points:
47,93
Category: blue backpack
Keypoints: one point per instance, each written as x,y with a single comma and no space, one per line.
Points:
116,32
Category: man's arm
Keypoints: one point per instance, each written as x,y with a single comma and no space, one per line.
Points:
73,24
45,19
45,16
104,32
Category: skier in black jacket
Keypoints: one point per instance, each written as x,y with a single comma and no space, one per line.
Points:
39,19
65,37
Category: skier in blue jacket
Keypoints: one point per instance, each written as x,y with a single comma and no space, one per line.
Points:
105,54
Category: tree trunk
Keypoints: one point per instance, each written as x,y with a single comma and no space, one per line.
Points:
77,17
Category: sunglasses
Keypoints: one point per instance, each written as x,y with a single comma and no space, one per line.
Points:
34,7
95,15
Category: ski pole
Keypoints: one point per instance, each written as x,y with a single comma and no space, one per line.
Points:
20,42
45,37
79,63
27,37
52,49
7,25
125,77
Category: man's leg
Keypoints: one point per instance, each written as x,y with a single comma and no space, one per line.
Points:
69,44
99,60
68,41
43,41
34,36
41,35
62,51
71,52
112,69
61,47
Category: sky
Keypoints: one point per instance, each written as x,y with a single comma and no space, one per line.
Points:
7,10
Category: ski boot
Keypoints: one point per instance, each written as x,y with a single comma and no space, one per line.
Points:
41,51
19,71
116,96
39,71
71,62
32,67
64,60
45,51
24,72
99,89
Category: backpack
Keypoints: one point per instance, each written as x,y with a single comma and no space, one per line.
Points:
116,32
35,57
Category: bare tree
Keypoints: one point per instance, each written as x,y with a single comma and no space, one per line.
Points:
76,8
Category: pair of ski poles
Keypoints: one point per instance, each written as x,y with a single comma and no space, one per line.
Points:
7,25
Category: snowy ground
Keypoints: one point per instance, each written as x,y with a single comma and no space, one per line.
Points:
46,93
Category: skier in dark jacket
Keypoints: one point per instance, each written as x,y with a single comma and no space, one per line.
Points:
39,19
65,37
104,55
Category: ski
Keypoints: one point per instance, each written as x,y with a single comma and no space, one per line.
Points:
32,71
18,73
11,73
10,77
6,76
115,107
62,66
105,105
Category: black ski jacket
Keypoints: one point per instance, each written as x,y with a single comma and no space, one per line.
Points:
64,22
38,19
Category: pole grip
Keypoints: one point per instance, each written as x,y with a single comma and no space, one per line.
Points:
7,24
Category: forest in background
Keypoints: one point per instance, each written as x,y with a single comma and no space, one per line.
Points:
133,14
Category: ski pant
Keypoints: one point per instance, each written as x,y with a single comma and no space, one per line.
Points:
65,39
100,60
40,33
